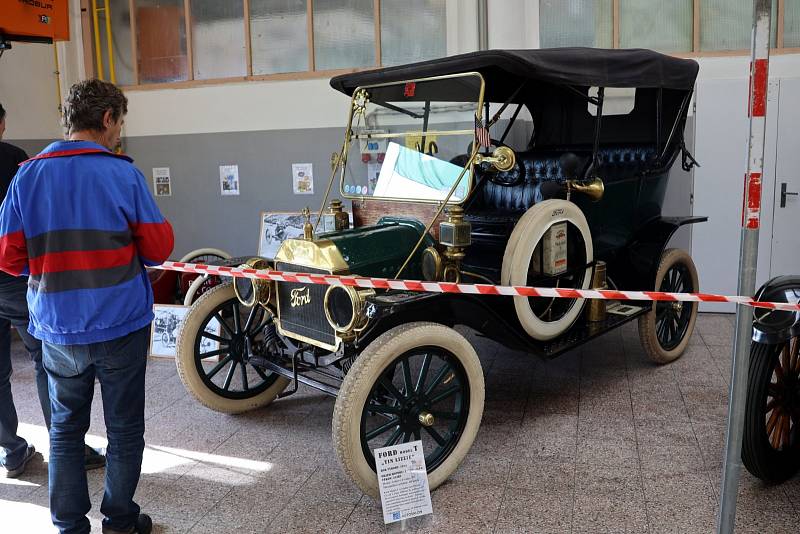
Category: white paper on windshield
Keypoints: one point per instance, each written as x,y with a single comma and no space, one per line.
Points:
407,173
403,481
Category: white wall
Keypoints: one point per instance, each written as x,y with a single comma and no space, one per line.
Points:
28,92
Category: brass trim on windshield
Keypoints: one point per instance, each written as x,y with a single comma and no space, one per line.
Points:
349,137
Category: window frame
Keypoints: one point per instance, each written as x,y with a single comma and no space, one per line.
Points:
696,52
312,73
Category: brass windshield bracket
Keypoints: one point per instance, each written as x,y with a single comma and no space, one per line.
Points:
502,159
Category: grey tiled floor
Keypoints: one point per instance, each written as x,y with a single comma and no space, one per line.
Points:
598,440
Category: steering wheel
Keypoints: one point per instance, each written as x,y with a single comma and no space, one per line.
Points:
507,178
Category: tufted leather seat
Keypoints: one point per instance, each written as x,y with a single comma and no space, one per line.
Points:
536,166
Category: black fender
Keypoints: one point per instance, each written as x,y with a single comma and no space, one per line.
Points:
771,327
493,316
635,267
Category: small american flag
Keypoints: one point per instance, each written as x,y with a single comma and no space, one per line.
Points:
481,133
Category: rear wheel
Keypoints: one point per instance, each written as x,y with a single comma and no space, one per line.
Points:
771,442
420,381
213,356
665,330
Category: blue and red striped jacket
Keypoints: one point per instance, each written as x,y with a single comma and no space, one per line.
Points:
80,221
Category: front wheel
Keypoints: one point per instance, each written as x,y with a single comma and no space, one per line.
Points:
665,330
771,442
419,381
213,355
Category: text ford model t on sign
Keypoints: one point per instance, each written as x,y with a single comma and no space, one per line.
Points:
543,168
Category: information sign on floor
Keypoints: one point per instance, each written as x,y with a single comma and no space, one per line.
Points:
403,481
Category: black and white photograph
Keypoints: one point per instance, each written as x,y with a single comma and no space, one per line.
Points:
275,228
166,326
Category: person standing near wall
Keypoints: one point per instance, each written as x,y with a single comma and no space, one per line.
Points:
80,220
14,310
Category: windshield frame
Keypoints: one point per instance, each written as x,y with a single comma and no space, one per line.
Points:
350,137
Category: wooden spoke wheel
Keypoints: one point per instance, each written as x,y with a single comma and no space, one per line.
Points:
418,381
771,443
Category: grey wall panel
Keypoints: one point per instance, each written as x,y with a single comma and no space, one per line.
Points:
30,146
200,215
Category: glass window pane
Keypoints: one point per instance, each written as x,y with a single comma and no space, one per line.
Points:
413,30
727,24
218,39
120,43
161,41
576,23
344,34
664,26
278,36
791,24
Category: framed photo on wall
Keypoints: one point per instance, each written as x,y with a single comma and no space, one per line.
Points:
275,228
166,326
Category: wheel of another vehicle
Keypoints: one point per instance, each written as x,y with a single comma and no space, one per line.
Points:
545,318
198,287
665,330
203,255
194,290
418,381
213,354
771,441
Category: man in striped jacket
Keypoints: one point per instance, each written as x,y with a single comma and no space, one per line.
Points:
80,221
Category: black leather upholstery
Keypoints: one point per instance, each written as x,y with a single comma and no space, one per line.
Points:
535,166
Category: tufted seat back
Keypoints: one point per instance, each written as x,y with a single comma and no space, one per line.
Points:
536,166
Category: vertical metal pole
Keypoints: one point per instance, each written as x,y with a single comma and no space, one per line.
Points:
751,214
483,24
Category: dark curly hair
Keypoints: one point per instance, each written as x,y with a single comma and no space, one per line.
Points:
2,113
88,101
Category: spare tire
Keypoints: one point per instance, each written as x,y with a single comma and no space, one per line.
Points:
535,315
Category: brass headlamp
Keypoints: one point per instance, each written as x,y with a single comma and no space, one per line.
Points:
455,234
251,291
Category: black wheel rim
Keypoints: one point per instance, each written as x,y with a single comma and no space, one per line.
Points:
425,380
222,357
782,406
673,318
551,310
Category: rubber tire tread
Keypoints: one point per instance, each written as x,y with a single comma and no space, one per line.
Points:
184,359
758,456
346,422
647,322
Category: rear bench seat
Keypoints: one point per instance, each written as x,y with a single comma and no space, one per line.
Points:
615,163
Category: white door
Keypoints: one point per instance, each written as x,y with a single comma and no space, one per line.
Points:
721,131
786,205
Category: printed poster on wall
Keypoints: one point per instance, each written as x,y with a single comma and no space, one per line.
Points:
229,179
302,179
162,183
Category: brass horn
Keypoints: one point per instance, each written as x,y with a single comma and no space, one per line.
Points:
594,188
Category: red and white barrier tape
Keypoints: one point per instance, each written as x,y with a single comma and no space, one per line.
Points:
474,289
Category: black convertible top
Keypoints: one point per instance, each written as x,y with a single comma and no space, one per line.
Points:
505,70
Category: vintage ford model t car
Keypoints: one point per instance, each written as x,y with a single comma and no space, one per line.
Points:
584,140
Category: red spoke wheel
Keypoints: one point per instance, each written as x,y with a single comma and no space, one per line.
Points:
771,443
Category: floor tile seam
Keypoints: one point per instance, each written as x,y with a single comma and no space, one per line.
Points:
290,499
575,460
344,524
639,470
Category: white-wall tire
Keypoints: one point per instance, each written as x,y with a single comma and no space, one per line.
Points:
519,251
370,366
187,366
189,257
